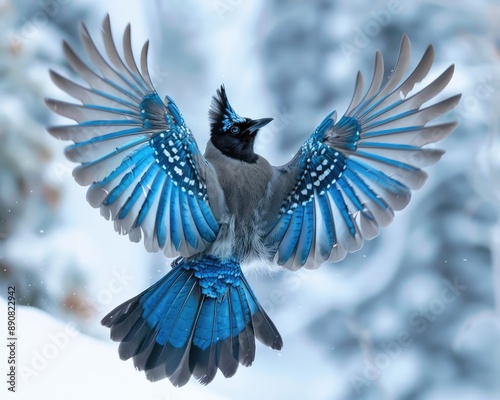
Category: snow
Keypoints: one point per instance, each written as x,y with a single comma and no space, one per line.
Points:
56,361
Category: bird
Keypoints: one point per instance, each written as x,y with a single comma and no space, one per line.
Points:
217,211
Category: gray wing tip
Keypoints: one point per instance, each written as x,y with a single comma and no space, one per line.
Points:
51,103
127,33
443,130
450,70
106,25
405,43
454,99
405,47
53,131
58,79
53,76
428,53
71,154
450,125
84,33
68,49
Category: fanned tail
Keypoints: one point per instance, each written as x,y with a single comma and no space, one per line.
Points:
200,317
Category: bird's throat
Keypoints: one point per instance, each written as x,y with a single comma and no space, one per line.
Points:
240,150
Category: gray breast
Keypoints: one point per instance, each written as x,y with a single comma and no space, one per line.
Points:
244,184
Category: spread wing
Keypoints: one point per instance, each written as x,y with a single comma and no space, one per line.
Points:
138,156
347,180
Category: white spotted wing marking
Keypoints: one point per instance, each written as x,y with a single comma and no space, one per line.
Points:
351,175
138,156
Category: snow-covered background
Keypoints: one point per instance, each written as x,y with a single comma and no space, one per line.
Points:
413,315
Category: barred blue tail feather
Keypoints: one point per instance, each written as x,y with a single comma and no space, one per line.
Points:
200,317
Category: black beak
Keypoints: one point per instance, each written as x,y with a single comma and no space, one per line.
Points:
256,124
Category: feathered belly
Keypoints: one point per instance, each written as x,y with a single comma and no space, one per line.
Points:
243,240
242,237
245,186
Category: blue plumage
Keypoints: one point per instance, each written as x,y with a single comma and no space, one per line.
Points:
151,196
175,218
161,228
215,274
199,217
222,208
139,190
203,305
307,233
342,207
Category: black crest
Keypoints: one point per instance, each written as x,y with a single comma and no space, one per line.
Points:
221,114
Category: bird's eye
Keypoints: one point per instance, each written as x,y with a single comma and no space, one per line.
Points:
235,130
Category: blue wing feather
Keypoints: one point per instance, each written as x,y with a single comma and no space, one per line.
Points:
114,98
204,228
393,146
153,192
392,131
128,162
279,229
342,207
326,213
133,147
126,181
379,140
140,189
121,149
189,227
176,233
360,183
109,136
307,234
377,176
161,216
374,109
105,122
175,112
292,234
386,160
348,190
209,217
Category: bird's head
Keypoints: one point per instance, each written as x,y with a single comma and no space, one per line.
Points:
231,134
